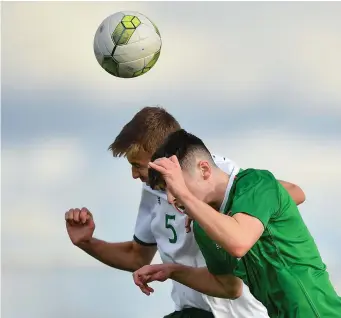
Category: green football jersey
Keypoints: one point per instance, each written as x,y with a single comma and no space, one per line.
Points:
284,269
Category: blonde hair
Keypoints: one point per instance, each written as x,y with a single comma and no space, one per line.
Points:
145,132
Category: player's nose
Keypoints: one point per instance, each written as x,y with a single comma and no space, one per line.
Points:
135,174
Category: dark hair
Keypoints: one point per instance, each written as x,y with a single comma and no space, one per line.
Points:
146,131
185,147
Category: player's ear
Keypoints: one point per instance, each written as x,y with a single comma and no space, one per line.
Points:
205,169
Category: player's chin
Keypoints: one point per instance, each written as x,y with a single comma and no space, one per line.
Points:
144,180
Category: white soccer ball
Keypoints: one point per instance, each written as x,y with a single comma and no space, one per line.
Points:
127,44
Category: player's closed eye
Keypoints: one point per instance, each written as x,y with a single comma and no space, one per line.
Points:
161,186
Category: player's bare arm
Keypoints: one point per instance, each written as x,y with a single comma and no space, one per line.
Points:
294,190
235,234
200,279
128,256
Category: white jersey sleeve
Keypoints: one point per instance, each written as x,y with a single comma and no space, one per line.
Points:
143,233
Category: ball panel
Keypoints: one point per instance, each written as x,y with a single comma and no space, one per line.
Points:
142,17
98,52
137,50
110,65
156,29
150,62
105,31
104,40
126,35
136,22
145,32
125,29
116,35
114,20
135,37
150,24
128,24
128,18
128,69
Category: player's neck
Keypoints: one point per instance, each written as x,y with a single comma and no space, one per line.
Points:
221,180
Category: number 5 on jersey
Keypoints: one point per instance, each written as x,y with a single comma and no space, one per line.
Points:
169,219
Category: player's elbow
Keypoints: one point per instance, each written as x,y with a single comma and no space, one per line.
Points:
238,251
234,289
300,195
236,292
240,248
297,194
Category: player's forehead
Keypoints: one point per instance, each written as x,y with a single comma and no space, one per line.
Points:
140,157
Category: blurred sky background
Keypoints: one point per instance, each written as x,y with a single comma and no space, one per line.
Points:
259,82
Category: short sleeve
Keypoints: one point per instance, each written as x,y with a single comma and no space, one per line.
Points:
257,194
143,233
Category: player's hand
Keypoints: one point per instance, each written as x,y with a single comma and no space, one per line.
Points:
80,225
188,223
150,273
172,174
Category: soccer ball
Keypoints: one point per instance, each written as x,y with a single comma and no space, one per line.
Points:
127,44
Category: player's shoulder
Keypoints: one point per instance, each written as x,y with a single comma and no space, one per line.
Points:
250,178
150,199
225,164
220,159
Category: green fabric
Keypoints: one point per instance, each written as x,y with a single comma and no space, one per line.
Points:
284,269
190,313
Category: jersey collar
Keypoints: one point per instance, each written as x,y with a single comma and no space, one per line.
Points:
233,174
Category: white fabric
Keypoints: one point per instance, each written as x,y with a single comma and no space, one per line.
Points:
155,221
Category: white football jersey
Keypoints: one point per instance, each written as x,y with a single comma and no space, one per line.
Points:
160,223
